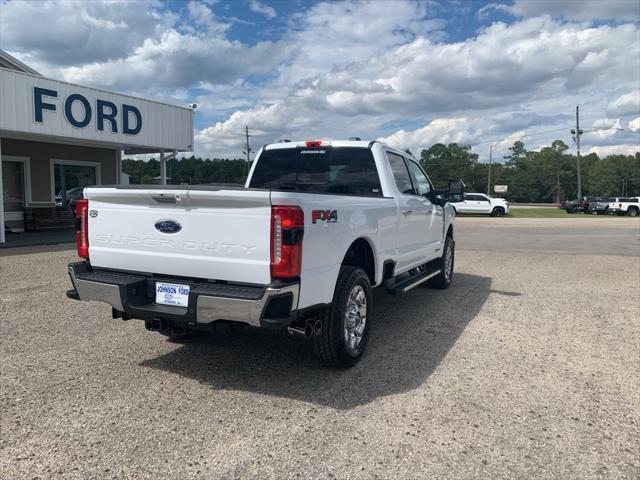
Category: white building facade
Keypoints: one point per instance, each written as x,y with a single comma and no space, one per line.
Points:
56,138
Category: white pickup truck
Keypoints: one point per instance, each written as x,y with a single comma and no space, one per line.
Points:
625,206
481,203
300,246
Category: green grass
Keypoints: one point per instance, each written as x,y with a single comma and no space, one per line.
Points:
541,212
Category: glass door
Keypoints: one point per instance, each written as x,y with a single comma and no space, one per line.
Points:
13,190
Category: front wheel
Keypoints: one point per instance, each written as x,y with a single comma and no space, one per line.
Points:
344,330
444,278
498,212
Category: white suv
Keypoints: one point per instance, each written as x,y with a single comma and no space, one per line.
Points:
481,203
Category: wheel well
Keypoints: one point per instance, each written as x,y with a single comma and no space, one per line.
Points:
360,254
499,207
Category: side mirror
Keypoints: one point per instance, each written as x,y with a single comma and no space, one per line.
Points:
456,187
454,193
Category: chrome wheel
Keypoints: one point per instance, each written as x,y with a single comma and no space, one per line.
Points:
355,319
447,264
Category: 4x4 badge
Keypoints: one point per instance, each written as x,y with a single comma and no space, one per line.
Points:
326,216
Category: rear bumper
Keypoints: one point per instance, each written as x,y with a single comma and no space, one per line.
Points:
133,295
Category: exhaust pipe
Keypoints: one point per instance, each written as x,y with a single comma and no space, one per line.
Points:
310,329
305,332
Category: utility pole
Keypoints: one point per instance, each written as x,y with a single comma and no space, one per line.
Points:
247,150
489,174
558,183
577,133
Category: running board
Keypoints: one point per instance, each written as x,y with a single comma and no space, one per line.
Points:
404,285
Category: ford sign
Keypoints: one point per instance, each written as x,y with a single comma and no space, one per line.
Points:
168,226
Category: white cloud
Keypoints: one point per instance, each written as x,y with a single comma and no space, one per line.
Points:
619,149
57,34
634,124
464,91
580,10
627,104
180,60
263,9
200,13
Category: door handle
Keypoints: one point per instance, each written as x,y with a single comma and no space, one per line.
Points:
428,212
407,212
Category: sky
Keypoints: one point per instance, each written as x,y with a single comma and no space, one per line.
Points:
410,73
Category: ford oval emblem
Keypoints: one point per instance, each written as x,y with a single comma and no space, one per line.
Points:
168,226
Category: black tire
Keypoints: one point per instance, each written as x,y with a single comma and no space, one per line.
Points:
445,277
330,346
632,212
497,212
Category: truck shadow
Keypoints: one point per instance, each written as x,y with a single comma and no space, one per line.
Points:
409,338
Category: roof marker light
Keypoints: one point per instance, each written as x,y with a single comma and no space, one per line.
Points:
313,143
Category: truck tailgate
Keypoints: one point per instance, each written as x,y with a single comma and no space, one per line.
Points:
212,234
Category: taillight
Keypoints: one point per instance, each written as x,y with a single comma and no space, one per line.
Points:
287,228
313,143
82,228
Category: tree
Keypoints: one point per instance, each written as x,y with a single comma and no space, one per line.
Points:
453,161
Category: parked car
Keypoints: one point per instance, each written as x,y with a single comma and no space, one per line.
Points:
482,203
625,206
300,246
581,205
600,206
572,206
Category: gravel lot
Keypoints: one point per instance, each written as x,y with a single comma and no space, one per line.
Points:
527,367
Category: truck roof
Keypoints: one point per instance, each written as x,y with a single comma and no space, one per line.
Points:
318,143
332,143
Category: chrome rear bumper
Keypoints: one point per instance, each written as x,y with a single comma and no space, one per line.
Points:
208,302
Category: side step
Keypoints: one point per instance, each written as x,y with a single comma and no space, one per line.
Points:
405,282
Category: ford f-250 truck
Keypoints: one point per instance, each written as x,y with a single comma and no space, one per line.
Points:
300,246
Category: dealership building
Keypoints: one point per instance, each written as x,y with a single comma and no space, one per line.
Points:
56,137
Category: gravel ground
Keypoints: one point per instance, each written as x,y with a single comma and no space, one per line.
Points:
526,367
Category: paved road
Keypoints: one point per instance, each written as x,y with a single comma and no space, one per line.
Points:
578,235
527,367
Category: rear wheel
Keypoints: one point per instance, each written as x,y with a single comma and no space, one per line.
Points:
345,324
444,278
632,212
498,212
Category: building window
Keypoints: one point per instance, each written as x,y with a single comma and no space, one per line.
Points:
70,177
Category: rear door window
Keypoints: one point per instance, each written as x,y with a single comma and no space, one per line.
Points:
339,171
400,174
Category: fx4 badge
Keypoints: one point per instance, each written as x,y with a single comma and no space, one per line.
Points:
325,216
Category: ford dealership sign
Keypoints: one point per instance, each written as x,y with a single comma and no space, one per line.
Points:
106,112
34,106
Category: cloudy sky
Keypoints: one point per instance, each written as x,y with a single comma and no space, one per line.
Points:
412,73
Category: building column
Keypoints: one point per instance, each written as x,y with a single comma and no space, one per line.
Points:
118,166
2,239
163,168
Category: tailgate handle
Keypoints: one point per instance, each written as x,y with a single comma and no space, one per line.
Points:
164,198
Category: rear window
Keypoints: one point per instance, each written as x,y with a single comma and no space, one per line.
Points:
339,171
